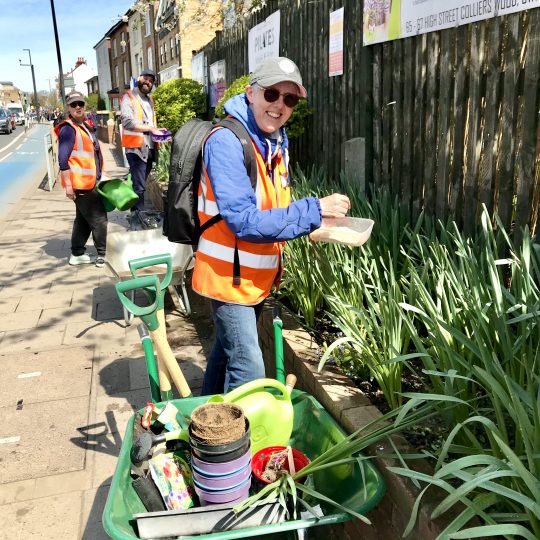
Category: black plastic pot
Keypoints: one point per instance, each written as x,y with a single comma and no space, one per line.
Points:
222,452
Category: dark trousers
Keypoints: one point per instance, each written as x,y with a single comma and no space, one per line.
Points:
139,173
90,218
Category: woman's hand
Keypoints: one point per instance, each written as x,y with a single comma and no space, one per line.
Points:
335,205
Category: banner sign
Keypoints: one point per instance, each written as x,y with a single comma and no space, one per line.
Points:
263,41
386,20
217,82
335,50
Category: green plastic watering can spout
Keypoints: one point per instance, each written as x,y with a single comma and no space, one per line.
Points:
147,313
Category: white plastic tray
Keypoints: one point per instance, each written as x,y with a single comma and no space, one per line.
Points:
349,231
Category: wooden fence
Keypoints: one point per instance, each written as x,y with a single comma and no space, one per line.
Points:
451,119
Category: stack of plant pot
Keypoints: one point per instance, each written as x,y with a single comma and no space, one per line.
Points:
219,436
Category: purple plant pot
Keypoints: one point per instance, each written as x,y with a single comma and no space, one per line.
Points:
234,495
229,481
220,469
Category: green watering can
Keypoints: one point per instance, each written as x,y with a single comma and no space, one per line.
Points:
270,415
117,193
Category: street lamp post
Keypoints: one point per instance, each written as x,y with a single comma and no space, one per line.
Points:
36,102
59,56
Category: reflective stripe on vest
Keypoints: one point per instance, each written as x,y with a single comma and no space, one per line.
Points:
135,139
260,264
82,162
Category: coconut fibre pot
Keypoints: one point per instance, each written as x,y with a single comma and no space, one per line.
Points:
222,452
218,423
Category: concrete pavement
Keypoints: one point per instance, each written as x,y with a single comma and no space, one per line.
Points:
71,371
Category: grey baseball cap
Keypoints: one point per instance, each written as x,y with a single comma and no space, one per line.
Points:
275,70
148,73
75,96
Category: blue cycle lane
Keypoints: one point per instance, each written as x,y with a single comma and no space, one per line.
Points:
22,164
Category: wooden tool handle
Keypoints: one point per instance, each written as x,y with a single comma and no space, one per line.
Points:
166,357
163,374
290,381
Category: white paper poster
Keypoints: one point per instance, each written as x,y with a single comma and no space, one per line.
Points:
217,82
385,20
263,40
335,51
198,69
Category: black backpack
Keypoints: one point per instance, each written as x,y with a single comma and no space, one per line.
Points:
181,220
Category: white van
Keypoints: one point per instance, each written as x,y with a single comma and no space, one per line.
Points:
17,110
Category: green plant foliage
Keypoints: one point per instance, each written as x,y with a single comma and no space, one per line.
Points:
296,123
92,102
177,101
163,162
236,87
464,311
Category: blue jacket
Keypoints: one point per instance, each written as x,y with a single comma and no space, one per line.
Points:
224,162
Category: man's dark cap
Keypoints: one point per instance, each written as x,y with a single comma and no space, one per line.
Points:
148,73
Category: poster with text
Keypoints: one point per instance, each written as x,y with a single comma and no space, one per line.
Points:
217,82
263,41
385,20
335,50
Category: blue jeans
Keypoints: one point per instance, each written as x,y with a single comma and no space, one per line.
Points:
139,173
236,357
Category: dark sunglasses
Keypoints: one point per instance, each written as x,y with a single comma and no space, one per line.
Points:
77,104
272,94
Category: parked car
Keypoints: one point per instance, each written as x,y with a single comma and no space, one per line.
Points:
5,121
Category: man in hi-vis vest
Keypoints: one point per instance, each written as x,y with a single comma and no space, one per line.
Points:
139,123
239,258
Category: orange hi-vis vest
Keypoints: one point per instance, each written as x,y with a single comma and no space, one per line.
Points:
259,265
82,162
135,139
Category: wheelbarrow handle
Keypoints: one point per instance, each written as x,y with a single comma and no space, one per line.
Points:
153,260
150,284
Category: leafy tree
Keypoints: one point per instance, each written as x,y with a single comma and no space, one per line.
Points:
296,123
92,101
177,101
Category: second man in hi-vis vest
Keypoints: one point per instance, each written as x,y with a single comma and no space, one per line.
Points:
139,123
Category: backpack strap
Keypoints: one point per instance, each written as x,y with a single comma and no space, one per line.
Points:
250,162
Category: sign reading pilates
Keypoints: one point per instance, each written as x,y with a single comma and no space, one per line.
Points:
263,41
385,20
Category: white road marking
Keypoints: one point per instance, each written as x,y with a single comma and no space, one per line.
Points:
12,142
19,146
6,156
27,375
9,440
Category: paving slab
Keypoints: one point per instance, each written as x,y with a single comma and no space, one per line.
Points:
38,338
55,316
45,301
100,332
46,376
48,441
50,518
9,305
93,505
19,320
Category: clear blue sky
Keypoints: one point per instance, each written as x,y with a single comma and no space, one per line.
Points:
27,24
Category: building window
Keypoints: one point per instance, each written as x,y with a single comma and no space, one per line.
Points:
150,59
123,41
116,81
135,33
172,48
126,76
165,52
161,54
147,27
177,45
114,51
